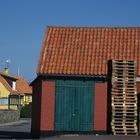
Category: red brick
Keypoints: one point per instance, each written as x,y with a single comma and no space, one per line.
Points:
47,106
100,107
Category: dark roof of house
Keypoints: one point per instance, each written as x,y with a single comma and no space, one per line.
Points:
14,78
86,50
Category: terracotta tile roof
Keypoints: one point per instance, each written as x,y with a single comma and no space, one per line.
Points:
6,85
86,50
22,86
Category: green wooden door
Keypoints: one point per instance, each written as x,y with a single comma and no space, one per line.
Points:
74,105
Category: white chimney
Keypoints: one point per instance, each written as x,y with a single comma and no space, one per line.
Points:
14,85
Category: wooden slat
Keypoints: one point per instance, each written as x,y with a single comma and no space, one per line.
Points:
124,98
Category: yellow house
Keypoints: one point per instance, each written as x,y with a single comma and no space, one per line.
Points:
5,90
14,91
23,94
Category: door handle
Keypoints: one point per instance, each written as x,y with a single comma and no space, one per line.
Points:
73,114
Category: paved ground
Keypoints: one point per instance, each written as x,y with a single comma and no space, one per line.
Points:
21,130
16,130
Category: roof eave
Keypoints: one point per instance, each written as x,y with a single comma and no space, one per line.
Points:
69,76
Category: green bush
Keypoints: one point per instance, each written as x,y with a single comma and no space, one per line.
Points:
26,111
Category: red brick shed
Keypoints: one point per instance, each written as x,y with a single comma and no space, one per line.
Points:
70,91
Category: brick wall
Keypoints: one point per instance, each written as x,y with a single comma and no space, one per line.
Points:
36,106
43,106
100,107
47,105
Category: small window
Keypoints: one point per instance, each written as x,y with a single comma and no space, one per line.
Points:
28,98
3,101
13,100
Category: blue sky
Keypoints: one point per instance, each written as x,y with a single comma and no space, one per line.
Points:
23,24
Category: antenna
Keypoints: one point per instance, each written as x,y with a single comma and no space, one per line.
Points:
18,70
8,61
